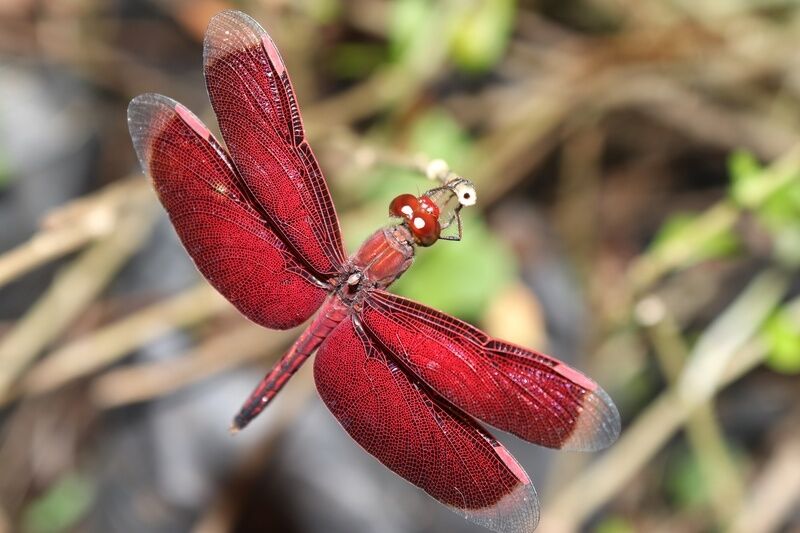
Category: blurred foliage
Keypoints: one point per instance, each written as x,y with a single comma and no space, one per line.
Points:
615,524
458,278
775,201
782,332
461,279
685,482
680,228
61,507
475,33
652,146
480,31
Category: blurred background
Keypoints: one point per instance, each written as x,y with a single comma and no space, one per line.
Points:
638,172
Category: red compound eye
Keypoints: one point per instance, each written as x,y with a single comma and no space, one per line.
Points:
425,227
429,206
404,206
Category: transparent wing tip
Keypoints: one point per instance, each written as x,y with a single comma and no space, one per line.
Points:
517,512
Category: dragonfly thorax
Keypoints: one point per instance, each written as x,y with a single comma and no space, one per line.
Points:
383,257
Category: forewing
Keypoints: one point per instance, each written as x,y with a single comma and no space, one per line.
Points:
255,105
419,437
231,244
529,394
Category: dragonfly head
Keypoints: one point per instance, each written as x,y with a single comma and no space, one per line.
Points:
435,210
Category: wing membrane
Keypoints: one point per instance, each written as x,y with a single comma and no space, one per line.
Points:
526,393
421,438
255,105
229,241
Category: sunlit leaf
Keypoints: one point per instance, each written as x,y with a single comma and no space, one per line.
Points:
745,172
415,34
783,335
480,33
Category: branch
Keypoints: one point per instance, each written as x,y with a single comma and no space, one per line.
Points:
114,341
73,289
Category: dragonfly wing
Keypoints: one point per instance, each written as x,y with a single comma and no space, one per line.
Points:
258,115
229,241
423,439
529,394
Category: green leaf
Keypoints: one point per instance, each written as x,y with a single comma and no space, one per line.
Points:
357,60
60,507
322,11
615,524
782,333
460,277
745,172
680,231
415,35
438,135
774,188
480,32
685,481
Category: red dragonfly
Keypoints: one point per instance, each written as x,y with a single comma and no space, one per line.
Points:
407,382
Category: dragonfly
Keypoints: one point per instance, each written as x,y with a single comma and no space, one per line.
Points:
407,382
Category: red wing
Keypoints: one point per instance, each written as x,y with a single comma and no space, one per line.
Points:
422,439
230,242
529,394
255,105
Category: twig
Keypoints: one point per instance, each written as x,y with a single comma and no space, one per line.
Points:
651,267
603,479
5,525
724,485
69,228
715,221
73,289
146,381
719,342
665,415
775,494
110,343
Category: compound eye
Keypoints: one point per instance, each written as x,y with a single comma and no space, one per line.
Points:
404,206
427,205
425,228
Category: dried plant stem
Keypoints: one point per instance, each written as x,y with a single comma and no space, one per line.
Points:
651,267
143,382
75,286
724,485
775,494
111,343
715,221
5,524
69,228
667,413
644,438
